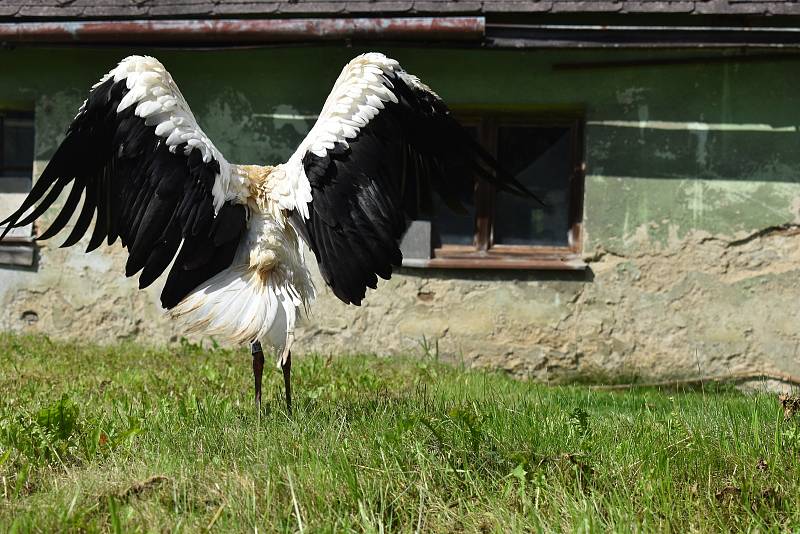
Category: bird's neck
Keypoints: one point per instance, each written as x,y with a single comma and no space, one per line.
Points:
255,175
257,178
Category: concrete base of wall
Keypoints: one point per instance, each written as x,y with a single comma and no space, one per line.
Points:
704,305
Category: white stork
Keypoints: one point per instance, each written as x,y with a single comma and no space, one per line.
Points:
148,175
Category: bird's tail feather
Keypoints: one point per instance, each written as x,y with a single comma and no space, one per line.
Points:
241,305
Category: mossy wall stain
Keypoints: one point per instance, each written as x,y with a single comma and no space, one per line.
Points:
692,203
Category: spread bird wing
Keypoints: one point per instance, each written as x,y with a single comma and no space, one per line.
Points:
149,176
384,143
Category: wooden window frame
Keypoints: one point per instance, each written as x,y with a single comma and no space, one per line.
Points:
484,253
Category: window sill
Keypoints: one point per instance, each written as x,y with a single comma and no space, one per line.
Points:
17,252
569,261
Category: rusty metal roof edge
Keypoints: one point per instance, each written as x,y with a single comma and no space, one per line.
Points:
459,28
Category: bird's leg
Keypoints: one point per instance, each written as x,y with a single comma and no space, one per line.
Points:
286,367
258,371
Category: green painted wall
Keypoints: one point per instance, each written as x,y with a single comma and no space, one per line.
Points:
659,182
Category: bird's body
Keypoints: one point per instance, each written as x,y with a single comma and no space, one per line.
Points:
229,234
259,296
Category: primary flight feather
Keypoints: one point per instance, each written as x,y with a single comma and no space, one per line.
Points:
383,144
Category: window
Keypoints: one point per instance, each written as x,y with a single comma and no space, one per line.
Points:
16,172
501,230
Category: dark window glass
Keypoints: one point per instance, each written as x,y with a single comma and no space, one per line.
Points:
16,144
541,157
453,228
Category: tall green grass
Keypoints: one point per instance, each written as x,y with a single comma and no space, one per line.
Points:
128,438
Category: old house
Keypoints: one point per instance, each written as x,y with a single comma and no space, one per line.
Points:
663,136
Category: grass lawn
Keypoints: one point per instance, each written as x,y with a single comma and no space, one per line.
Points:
129,438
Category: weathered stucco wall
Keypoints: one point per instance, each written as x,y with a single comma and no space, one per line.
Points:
692,208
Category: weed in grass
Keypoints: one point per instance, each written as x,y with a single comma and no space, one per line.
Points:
791,405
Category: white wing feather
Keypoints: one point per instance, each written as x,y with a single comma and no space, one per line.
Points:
159,101
358,95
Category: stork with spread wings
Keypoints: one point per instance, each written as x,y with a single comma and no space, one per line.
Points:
383,145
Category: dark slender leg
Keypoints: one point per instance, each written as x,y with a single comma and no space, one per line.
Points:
258,371
286,367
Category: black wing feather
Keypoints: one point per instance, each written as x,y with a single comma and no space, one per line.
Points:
66,212
139,191
364,194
